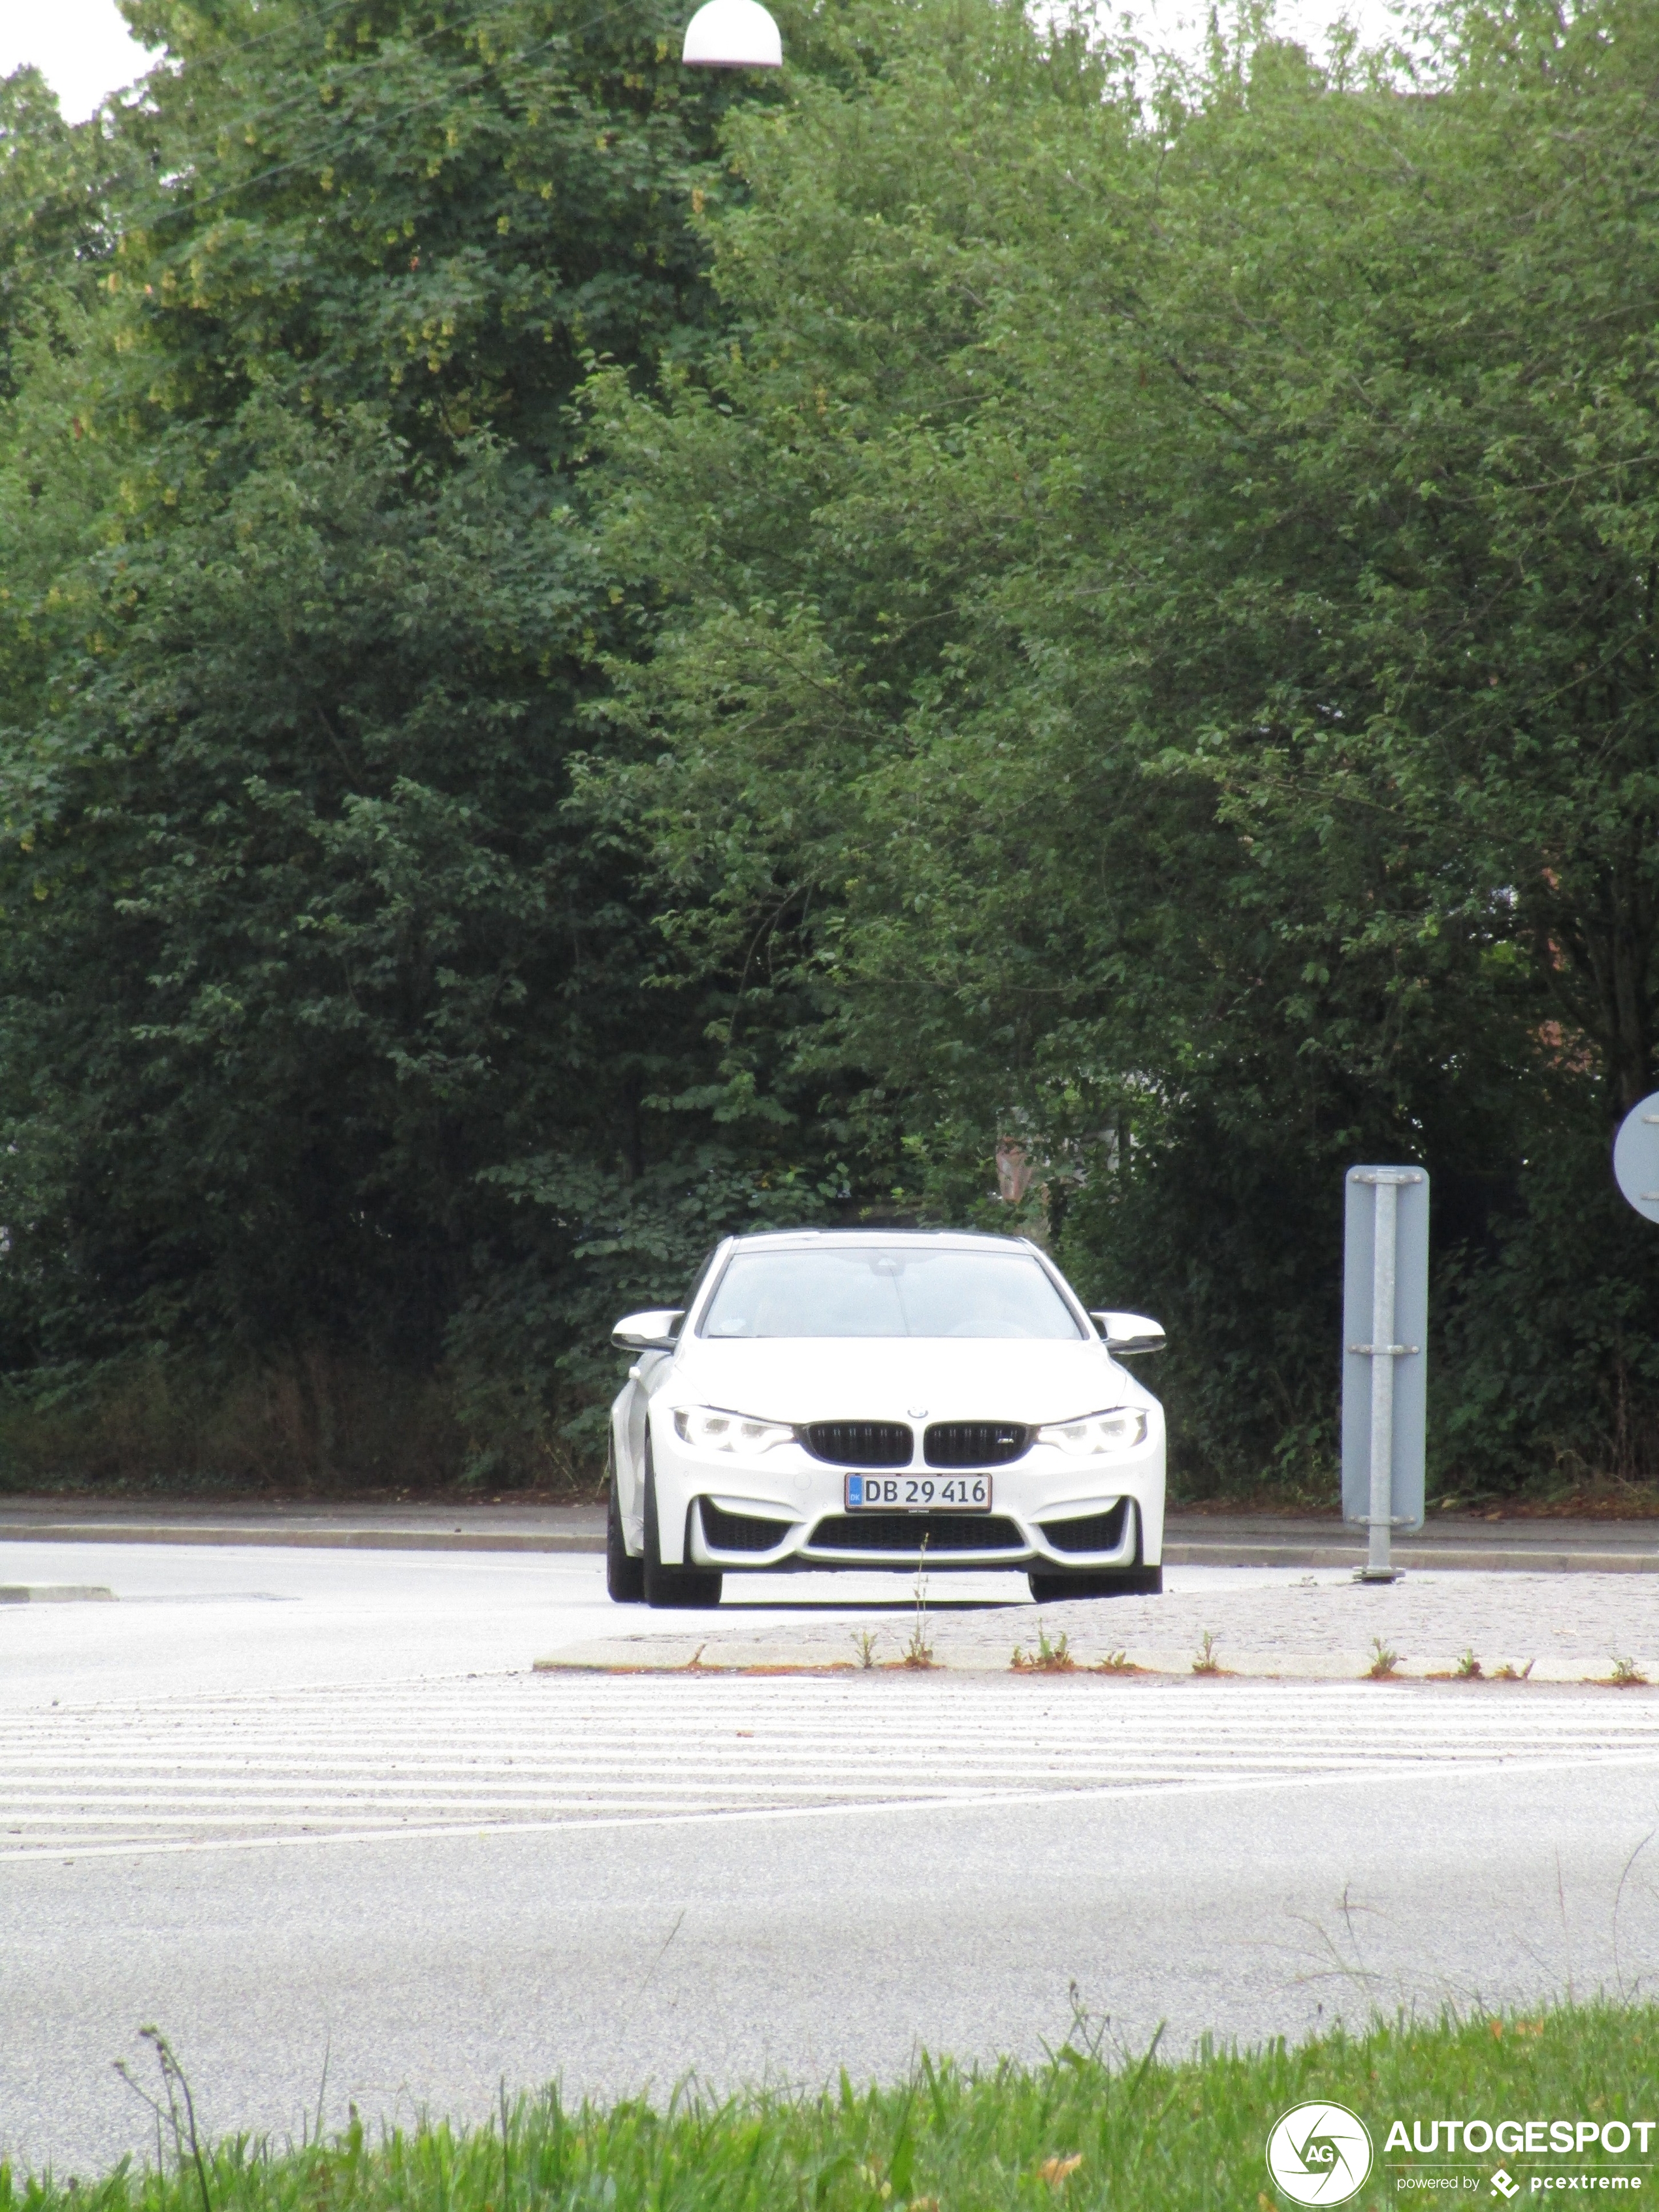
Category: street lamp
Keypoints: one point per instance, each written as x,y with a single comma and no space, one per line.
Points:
732,34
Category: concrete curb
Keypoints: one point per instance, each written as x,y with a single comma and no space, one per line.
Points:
56,1593
1521,1558
1142,1666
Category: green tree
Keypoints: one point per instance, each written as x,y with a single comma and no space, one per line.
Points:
438,212
58,188
1231,620
334,1044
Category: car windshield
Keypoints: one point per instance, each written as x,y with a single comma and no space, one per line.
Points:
888,1291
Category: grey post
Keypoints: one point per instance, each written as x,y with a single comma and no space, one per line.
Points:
1384,1404
1379,1567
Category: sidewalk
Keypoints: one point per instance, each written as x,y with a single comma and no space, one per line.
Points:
1451,1541
412,1527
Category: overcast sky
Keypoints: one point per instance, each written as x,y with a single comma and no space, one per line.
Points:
82,47
85,52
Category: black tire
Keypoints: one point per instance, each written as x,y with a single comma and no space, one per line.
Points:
671,1586
624,1577
1130,1581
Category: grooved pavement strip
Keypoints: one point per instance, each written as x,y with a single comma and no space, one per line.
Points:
336,1765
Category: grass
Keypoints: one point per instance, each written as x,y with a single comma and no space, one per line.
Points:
1091,2128
319,1425
1594,1495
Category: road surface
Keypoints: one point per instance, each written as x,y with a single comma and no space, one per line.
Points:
310,1813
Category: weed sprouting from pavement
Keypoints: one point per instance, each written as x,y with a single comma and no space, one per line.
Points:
919,1652
1049,1658
1206,1663
1625,1675
864,1642
1383,1665
1510,1672
1468,1667
1117,1662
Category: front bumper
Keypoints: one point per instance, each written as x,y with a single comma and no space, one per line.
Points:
1049,1511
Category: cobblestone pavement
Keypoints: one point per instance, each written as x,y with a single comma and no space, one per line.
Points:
1568,1628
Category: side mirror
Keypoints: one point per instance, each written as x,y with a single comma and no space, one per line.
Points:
648,1332
1127,1334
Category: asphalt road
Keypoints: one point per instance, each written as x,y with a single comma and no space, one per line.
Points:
1454,1542
308,1812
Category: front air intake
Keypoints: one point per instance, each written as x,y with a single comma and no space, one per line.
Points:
906,1532
739,1532
1095,1532
860,1444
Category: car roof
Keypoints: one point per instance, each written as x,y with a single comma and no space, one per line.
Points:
795,1240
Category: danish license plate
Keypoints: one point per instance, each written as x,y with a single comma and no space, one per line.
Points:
918,1493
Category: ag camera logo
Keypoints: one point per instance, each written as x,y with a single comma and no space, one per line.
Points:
1320,2154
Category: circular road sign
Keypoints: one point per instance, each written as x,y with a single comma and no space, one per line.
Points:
1636,1156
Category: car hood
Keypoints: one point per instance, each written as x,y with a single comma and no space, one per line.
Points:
897,1378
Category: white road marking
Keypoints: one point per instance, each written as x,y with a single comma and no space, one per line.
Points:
512,1752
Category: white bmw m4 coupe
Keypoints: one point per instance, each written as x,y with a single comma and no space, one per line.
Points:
869,1398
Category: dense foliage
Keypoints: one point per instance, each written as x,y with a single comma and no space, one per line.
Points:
590,653
327,1035
1177,593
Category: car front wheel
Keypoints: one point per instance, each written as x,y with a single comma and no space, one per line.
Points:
624,1577
671,1586
1131,1582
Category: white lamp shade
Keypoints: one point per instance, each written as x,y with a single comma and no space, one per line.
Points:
732,34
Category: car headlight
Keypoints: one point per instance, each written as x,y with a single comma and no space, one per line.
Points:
1119,1430
707,1428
